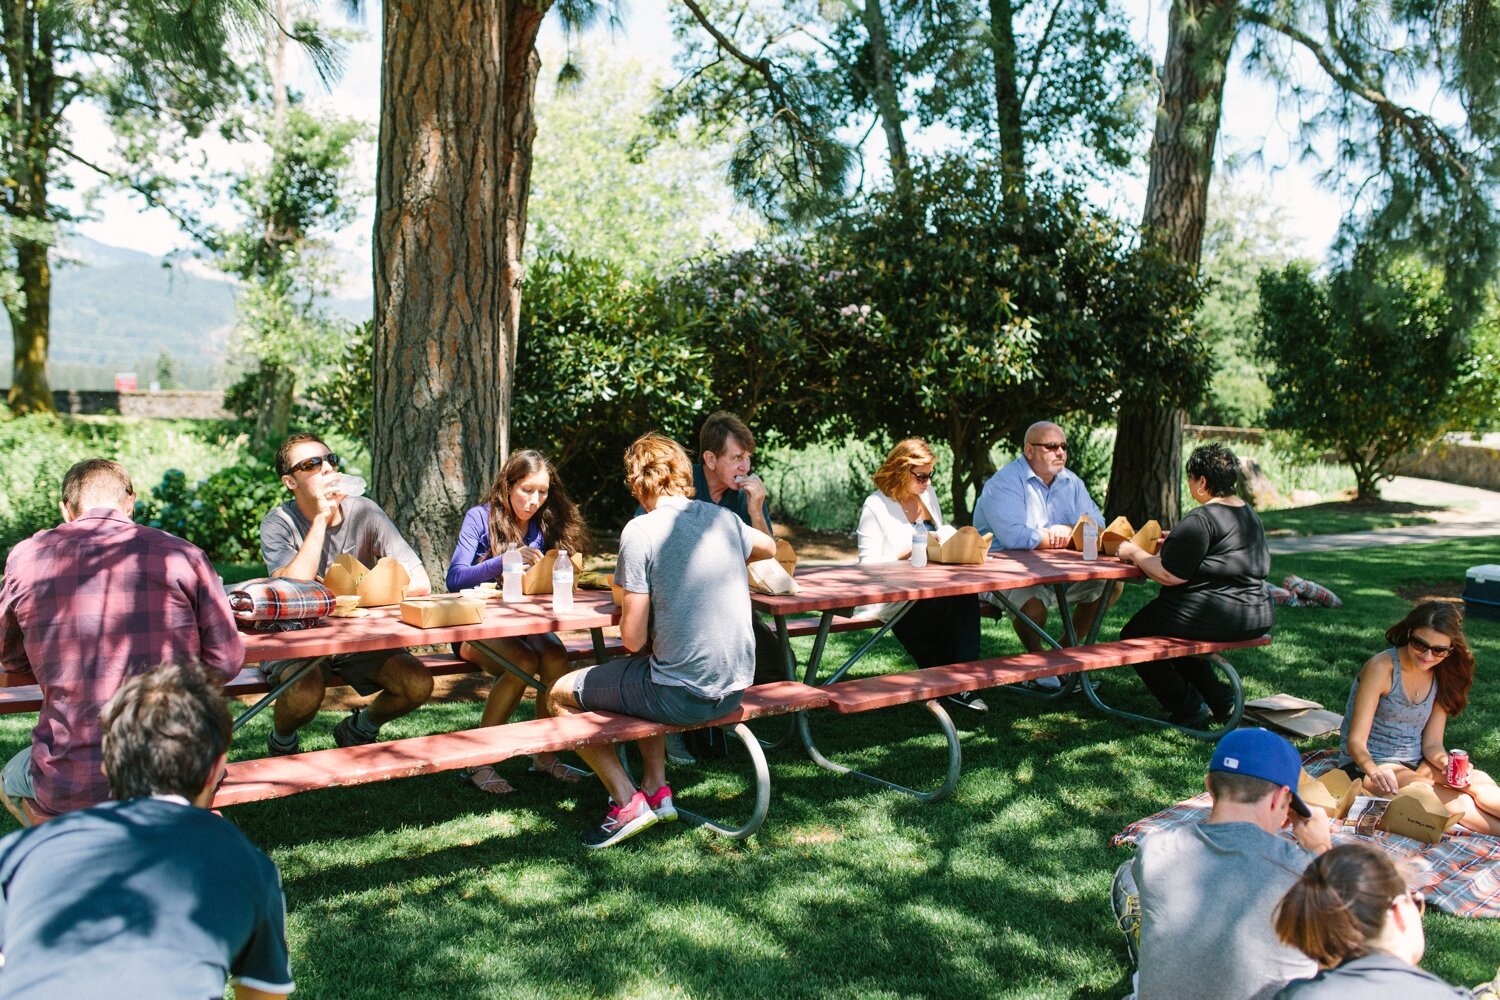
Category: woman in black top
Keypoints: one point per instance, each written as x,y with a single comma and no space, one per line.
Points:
1212,570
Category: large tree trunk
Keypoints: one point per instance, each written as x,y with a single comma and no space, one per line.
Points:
1143,476
1007,96
887,98
273,413
458,85
31,330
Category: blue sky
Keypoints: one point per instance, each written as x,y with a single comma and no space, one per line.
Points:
1255,130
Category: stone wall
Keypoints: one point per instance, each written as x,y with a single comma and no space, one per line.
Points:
166,403
1456,459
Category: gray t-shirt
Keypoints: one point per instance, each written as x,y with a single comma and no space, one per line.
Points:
690,557
364,533
1208,892
1373,977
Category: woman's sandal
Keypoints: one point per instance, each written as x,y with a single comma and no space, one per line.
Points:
557,771
487,779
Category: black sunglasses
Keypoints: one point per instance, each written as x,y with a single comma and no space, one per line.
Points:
922,477
1050,445
316,462
1426,647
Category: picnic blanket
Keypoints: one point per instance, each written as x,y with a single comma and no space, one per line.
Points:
1460,875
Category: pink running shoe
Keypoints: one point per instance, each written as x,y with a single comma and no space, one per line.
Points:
660,802
620,823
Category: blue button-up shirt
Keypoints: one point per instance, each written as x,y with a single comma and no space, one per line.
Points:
1016,505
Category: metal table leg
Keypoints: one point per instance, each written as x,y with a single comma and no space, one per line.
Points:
1210,735
287,680
1070,682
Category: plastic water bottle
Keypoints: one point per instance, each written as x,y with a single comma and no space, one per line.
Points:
349,486
918,545
1090,540
512,568
562,583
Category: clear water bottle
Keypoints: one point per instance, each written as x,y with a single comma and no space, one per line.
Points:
562,583
512,568
349,486
1090,540
919,544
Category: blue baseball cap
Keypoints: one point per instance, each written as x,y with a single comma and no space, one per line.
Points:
1261,754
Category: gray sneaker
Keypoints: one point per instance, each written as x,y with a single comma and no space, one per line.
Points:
677,751
279,749
349,733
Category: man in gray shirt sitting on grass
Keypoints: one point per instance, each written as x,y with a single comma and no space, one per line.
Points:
683,564
1208,891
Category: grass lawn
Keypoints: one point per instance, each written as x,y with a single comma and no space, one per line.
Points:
427,888
1340,516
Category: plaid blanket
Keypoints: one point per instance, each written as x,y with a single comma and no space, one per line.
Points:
1460,875
276,599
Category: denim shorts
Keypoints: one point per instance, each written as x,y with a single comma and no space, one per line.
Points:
625,686
355,668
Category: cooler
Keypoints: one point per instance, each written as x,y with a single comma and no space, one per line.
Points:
1482,592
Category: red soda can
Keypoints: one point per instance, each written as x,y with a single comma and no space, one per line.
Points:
1458,768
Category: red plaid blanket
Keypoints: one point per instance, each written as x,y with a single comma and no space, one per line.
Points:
1459,875
272,599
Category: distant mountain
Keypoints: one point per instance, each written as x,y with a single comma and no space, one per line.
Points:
116,310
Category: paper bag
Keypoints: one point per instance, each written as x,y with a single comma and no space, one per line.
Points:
769,576
615,590
787,556
538,579
1078,532
1118,530
441,610
1148,538
377,588
966,545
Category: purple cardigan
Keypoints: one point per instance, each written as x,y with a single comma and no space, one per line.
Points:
472,563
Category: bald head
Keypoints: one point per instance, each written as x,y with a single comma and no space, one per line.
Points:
1045,450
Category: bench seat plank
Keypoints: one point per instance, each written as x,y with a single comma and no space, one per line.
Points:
275,777
887,690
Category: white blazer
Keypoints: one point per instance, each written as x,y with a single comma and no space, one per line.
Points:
885,535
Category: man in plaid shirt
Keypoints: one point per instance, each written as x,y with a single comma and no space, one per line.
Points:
86,606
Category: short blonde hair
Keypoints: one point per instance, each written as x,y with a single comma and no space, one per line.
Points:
656,466
907,455
96,482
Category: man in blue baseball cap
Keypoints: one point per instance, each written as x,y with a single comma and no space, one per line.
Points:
1207,891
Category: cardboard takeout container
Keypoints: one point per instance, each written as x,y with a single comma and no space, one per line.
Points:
377,588
441,610
1333,792
538,579
966,545
1148,538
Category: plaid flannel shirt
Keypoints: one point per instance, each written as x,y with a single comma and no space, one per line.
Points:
85,607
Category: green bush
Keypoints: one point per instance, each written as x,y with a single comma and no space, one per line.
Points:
220,514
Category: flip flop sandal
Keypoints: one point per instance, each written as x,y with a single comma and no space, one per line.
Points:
557,771
487,779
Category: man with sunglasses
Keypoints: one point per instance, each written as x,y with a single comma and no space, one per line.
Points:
1033,503
300,539
88,605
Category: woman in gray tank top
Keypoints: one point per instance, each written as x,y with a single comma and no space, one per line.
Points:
1399,707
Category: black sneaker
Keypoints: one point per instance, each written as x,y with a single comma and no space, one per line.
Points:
280,749
349,733
620,823
965,702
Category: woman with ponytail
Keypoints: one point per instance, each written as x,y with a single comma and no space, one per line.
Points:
1399,707
1352,913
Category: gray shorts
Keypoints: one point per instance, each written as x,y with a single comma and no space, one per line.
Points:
1082,592
16,778
625,686
355,668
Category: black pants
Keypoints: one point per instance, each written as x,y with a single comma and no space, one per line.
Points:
1184,685
940,630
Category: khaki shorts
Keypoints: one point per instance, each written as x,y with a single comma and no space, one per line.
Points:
1082,592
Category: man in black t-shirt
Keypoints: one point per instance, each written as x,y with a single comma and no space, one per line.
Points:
151,895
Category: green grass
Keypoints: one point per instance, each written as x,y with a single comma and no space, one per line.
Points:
1341,516
425,888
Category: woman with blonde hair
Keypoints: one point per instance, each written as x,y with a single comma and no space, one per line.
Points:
1352,913
527,507
938,630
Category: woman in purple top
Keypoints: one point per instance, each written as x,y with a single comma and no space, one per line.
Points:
525,506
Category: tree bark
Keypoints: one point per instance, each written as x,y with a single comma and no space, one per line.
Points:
1143,478
456,126
31,330
1007,96
273,414
887,96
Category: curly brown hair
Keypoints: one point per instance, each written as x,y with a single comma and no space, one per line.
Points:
561,523
1454,673
657,466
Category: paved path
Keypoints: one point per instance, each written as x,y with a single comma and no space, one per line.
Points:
1472,513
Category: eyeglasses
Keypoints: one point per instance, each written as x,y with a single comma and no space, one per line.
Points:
1427,647
1049,445
314,463
922,477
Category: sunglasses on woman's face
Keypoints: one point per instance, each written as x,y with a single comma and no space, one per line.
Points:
1426,647
922,477
314,463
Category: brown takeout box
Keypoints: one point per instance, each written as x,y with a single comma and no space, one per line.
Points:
1148,538
966,545
1418,813
1078,532
440,610
377,588
1333,792
1117,531
538,579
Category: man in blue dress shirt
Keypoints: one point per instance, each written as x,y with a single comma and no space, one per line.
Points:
1033,503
